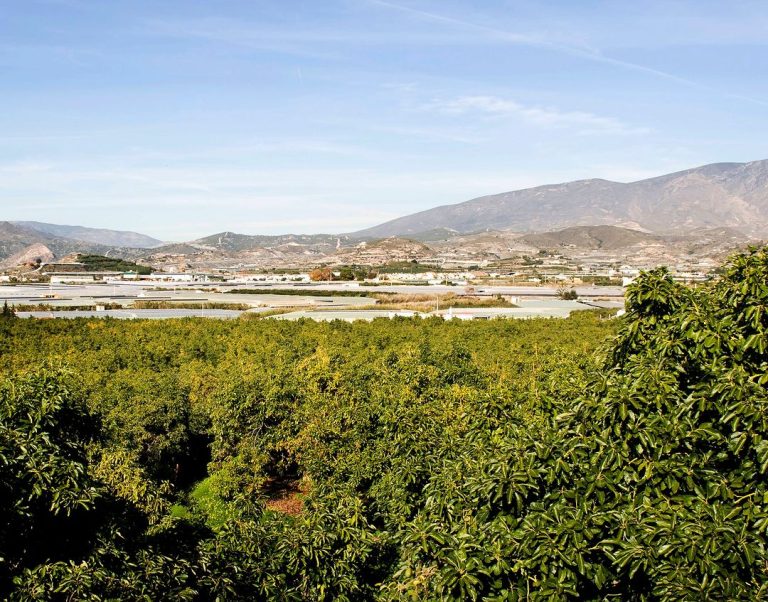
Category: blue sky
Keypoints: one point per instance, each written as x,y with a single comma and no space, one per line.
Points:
181,118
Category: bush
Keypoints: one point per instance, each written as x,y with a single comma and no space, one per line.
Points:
438,461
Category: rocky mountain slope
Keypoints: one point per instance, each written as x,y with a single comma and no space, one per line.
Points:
589,237
32,255
695,212
99,236
231,241
18,243
733,195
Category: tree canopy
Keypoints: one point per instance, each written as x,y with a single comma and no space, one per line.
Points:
421,460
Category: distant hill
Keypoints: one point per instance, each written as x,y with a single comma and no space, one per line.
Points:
231,241
608,238
15,239
733,195
387,250
18,241
34,254
99,236
438,234
402,245
699,211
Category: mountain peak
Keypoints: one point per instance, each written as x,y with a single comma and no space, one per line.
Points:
733,195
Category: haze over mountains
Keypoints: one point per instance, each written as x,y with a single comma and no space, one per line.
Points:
25,242
99,236
711,207
733,195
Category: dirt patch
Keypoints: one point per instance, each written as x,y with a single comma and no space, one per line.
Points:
284,495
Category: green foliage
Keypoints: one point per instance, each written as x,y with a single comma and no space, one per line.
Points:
7,311
435,460
409,267
80,520
210,499
112,573
43,468
359,413
100,263
650,486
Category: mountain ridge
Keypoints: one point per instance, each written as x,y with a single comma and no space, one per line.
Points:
17,240
719,194
728,196
100,236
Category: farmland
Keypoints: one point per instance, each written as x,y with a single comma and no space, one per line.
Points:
399,459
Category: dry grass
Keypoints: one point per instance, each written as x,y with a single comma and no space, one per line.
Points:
188,305
407,298
49,307
248,315
424,303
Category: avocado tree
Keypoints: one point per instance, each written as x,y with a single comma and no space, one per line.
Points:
650,485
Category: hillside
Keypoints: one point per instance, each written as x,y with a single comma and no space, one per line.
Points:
19,241
99,236
15,239
589,237
379,252
698,212
231,241
34,254
733,195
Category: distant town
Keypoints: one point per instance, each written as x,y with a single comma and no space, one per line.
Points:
483,275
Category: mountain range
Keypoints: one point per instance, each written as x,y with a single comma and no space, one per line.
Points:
25,242
714,206
98,236
733,195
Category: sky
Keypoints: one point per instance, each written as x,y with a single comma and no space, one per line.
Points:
182,118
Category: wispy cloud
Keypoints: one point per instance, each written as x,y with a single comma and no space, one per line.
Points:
11,54
290,147
426,133
573,47
328,43
316,42
242,35
544,116
245,199
508,36
20,168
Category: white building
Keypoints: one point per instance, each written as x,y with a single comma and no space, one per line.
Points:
175,277
81,277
